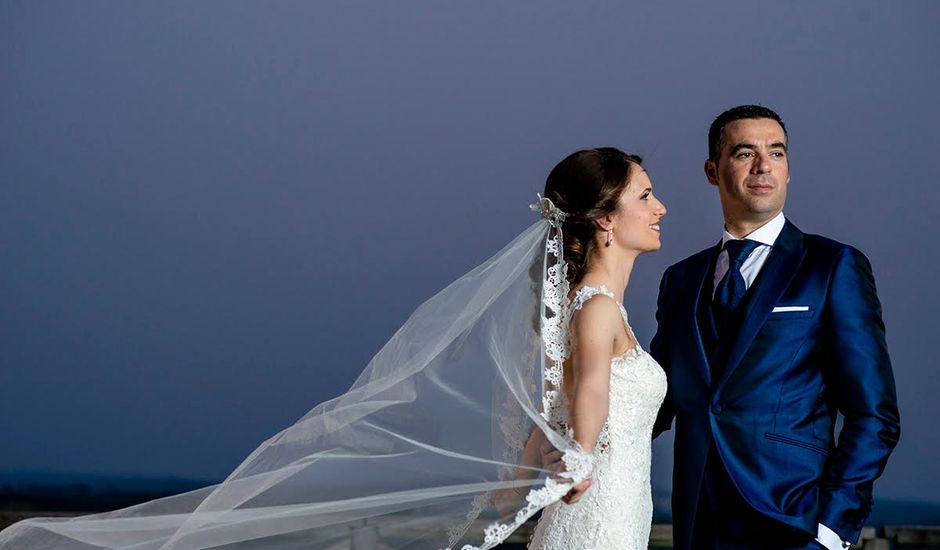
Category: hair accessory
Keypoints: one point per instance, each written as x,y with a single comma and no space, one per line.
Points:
547,209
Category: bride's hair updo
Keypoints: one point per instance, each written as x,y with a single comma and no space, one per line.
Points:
587,185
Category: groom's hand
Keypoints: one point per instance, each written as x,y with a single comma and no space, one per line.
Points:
552,461
574,495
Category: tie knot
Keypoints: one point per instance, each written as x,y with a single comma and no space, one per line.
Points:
739,250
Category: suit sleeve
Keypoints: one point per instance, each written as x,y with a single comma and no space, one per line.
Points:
860,383
659,349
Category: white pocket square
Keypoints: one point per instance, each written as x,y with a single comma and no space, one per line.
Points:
781,309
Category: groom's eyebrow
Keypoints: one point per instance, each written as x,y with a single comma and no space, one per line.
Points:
774,145
737,147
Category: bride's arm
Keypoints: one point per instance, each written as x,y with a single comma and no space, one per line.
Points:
507,500
592,338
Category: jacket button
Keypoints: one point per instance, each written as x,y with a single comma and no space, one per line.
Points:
716,408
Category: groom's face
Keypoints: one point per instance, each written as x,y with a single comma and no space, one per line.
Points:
752,170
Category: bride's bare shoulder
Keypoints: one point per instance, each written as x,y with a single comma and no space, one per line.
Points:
596,313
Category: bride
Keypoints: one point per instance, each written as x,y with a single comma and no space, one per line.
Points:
612,388
518,387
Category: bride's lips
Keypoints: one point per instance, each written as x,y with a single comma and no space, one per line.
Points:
656,227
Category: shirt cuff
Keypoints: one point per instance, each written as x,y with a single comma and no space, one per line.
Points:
828,538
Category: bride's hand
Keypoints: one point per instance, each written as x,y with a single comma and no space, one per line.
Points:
552,461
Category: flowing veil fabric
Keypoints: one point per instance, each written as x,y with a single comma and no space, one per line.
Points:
436,445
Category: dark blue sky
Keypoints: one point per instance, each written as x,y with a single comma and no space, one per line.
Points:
212,214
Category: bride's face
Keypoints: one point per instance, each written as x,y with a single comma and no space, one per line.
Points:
636,222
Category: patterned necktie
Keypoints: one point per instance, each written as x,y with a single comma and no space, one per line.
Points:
731,287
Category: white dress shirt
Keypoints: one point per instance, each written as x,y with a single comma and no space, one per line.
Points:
766,235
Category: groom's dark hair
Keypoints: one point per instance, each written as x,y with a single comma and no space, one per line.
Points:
716,131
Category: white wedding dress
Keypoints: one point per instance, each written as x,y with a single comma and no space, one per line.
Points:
616,512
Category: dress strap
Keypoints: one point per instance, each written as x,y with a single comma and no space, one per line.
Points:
626,323
585,293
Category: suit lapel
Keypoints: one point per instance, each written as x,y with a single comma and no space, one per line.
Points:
774,277
700,294
706,317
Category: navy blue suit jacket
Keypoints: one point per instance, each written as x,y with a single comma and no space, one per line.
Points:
783,377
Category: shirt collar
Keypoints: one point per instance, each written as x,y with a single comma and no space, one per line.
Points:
765,234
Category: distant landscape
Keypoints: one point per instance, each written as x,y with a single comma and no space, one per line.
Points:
86,492
29,494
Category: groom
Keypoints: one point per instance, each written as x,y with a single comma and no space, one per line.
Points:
765,337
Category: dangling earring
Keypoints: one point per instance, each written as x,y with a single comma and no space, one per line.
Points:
610,237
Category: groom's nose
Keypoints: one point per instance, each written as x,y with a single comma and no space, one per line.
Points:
761,164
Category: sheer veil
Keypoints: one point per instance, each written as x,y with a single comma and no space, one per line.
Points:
436,445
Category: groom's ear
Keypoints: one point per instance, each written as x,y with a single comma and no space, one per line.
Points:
711,172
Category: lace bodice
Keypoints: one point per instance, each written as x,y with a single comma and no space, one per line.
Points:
616,511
